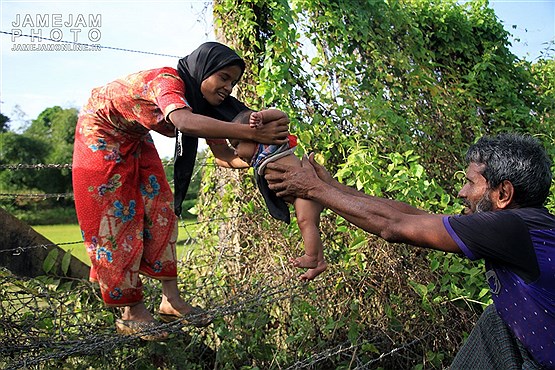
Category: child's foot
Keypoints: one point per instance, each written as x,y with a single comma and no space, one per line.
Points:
312,273
255,119
305,261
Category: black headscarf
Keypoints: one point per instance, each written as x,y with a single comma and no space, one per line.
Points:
207,59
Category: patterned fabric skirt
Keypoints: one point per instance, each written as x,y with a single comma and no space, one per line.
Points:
125,210
491,345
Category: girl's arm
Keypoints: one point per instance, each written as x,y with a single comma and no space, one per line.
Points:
275,131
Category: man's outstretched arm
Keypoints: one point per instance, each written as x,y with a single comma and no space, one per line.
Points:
389,219
325,176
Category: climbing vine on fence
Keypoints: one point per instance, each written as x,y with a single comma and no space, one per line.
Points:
389,94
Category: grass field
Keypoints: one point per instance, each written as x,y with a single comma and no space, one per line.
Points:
70,233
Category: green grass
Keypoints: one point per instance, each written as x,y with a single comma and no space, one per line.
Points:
65,233
69,233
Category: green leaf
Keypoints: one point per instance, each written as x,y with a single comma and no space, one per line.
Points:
434,264
50,260
66,261
483,292
421,289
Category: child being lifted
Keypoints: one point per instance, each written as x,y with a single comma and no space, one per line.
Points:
308,212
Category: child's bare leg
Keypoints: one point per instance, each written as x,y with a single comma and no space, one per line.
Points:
308,218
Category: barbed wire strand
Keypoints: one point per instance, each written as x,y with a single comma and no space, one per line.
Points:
42,166
34,166
89,45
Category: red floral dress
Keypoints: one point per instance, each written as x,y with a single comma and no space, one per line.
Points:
124,203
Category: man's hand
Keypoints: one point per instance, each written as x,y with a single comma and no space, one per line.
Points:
292,181
321,171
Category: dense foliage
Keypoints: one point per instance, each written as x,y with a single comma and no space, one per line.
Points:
48,139
389,94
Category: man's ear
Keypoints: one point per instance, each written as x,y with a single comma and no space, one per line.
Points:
504,194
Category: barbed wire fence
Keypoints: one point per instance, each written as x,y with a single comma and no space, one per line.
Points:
39,326
49,322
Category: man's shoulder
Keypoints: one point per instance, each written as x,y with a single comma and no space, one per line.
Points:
535,217
506,222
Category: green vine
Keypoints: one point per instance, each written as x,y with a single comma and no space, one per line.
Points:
389,94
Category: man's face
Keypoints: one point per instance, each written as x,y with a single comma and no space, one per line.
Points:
475,193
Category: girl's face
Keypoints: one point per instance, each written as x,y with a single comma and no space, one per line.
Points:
216,87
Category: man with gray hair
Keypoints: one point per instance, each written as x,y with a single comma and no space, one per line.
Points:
504,223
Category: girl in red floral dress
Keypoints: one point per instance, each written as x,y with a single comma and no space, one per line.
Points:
124,203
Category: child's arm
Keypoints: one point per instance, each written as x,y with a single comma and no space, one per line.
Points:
225,156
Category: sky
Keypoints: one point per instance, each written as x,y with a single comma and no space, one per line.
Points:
36,80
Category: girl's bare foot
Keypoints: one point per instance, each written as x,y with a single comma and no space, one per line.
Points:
175,306
180,310
305,261
137,312
137,320
313,272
